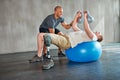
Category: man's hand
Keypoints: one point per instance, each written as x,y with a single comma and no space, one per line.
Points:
78,15
85,14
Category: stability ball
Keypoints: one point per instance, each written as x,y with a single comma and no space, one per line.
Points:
85,52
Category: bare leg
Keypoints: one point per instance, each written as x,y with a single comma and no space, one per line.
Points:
40,43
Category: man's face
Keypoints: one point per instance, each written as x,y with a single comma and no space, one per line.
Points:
59,12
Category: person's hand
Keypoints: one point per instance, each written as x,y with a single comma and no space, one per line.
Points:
85,14
79,15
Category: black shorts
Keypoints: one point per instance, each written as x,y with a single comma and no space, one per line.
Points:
47,31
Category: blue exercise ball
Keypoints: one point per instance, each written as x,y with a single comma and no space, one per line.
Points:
85,52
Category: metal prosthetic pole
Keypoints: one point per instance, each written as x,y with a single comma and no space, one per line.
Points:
47,42
48,53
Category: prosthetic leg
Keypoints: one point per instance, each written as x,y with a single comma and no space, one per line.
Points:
47,42
49,62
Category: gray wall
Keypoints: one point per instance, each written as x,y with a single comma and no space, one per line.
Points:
20,20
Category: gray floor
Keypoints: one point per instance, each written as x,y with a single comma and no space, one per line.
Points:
16,67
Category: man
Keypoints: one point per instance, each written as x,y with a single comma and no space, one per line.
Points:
49,26
67,41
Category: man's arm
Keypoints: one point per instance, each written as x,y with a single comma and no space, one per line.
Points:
87,28
66,26
75,21
75,28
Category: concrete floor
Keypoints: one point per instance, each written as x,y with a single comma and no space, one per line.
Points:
16,67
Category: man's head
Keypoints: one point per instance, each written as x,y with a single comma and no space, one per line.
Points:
99,36
58,11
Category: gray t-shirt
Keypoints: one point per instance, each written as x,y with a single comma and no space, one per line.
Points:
51,22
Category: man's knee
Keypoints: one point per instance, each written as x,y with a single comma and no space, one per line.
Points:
47,40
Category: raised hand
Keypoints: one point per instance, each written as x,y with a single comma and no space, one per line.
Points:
85,14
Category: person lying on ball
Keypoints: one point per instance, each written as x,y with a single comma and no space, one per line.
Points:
67,41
